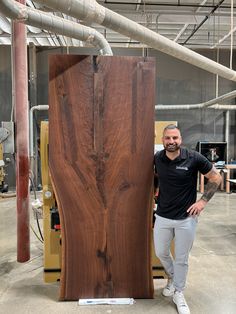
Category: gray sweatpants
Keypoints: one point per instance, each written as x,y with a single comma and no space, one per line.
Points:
183,233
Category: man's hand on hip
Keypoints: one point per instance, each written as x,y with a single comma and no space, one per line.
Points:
197,208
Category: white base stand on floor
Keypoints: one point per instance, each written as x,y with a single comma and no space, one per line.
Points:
111,301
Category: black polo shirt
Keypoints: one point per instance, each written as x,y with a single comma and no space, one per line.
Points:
178,181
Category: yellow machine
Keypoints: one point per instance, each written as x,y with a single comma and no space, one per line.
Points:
51,228
51,223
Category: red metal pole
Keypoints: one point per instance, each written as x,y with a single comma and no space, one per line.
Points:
19,43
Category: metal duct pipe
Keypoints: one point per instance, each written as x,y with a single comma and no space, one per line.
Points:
21,13
227,132
186,107
223,107
208,104
92,12
31,129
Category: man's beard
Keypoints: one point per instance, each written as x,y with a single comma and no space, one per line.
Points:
172,147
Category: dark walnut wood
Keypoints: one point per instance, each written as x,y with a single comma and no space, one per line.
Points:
101,135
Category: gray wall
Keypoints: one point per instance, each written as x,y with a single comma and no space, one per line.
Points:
181,83
177,83
5,103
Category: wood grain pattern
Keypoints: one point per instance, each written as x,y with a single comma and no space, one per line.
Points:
101,134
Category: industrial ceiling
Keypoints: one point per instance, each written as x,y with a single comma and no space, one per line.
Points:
191,23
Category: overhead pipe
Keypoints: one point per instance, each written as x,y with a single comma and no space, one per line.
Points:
223,107
187,107
33,17
20,84
91,12
207,104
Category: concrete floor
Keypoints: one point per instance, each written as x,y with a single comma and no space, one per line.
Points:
211,287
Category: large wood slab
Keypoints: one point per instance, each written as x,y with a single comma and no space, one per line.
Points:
101,135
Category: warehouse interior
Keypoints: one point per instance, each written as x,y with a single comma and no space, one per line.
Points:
193,45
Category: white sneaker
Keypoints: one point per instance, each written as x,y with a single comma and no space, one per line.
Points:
181,303
169,289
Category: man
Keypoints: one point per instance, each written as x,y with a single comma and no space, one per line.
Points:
177,169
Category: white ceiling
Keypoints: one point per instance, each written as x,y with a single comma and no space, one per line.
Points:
192,23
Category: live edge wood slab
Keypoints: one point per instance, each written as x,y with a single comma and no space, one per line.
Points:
101,135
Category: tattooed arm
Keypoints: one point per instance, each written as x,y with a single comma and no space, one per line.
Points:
214,180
